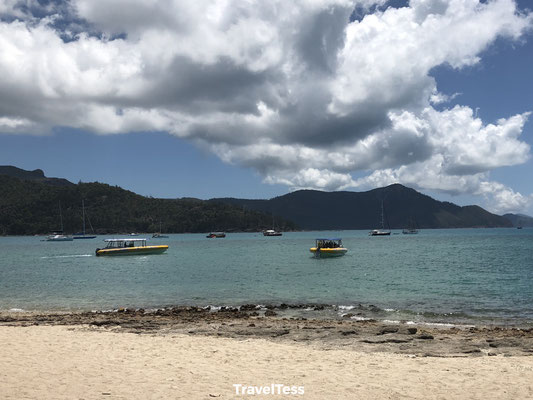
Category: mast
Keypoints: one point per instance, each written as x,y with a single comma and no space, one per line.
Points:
83,213
60,217
382,216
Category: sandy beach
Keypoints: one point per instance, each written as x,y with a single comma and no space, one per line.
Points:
150,356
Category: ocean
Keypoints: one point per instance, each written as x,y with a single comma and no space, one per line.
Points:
452,276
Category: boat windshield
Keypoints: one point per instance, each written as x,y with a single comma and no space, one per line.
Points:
123,243
328,243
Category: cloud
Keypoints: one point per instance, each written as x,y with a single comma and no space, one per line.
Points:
307,93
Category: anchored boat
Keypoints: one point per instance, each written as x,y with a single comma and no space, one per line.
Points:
271,232
126,247
213,235
328,248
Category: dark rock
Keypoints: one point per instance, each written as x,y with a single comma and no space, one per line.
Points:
270,313
425,336
248,307
104,322
412,331
346,333
471,351
283,306
281,333
387,329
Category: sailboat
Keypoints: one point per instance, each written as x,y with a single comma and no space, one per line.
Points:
82,235
411,227
382,231
272,232
58,235
158,235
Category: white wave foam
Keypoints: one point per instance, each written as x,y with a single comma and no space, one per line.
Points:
345,308
69,256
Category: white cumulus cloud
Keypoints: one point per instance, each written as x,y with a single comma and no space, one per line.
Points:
306,92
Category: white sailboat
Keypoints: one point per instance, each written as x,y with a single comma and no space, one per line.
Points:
382,231
159,235
59,236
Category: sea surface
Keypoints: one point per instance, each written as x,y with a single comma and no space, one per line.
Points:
453,276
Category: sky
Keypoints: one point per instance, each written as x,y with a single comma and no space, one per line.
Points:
255,99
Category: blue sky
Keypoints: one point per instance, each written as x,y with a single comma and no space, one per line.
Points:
243,101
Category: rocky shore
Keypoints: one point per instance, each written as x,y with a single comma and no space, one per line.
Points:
275,324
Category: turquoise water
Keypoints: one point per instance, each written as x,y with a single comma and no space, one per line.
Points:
458,275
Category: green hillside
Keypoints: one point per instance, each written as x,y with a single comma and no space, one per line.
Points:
30,207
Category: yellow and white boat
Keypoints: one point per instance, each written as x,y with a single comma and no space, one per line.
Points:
127,247
328,248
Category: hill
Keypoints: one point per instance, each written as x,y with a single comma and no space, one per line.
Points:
520,219
35,175
311,209
29,205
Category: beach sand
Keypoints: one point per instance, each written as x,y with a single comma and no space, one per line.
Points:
107,361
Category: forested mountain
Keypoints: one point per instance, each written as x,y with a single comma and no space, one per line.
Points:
31,206
311,209
520,220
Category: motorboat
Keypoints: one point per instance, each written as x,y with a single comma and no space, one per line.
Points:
325,247
271,232
128,246
213,235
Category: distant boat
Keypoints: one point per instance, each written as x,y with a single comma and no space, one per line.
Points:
58,236
126,247
411,228
216,235
272,232
382,231
158,235
328,248
82,235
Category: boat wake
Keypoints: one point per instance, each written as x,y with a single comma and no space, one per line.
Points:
69,256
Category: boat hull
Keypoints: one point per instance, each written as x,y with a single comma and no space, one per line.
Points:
84,237
379,233
328,252
59,238
132,251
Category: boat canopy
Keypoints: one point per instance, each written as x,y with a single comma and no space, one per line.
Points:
125,240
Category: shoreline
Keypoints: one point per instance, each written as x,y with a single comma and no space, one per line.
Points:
320,311
248,322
